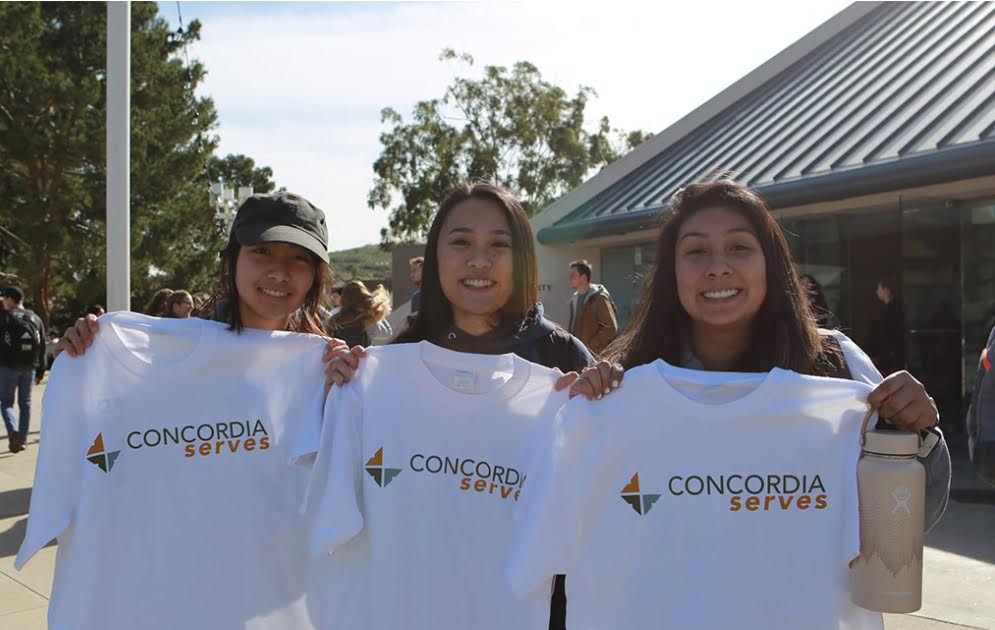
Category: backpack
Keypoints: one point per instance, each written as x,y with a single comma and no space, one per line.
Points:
20,341
980,419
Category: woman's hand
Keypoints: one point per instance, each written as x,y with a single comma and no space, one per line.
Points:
597,380
342,362
903,402
78,337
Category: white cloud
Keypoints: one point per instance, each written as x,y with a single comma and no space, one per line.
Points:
300,86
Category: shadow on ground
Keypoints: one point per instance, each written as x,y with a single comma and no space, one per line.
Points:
10,540
968,526
14,502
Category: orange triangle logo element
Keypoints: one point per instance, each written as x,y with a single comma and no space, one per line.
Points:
376,460
633,485
97,446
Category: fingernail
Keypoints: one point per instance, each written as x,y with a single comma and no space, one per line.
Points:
598,397
615,384
607,390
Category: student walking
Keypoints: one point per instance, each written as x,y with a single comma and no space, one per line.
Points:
593,317
22,363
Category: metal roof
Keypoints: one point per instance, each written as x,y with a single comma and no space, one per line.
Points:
904,96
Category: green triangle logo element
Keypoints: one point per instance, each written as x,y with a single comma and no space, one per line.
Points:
97,456
389,474
648,501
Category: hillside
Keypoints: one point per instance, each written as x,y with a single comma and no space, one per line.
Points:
368,261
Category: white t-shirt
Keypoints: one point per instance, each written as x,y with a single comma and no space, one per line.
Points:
692,499
164,471
422,459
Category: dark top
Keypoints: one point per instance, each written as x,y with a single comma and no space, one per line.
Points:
39,362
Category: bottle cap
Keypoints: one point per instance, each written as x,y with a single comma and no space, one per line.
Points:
891,443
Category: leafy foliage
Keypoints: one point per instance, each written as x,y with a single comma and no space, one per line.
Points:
510,126
52,156
240,170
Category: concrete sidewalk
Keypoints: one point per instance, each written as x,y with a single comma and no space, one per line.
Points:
959,581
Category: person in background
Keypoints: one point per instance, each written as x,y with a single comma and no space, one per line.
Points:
336,296
22,355
980,421
358,322
886,345
416,268
159,303
96,310
817,303
179,305
593,317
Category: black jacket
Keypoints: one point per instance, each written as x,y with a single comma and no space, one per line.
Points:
537,340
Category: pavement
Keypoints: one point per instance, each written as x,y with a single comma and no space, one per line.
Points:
958,577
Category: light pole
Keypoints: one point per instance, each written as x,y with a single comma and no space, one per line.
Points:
118,156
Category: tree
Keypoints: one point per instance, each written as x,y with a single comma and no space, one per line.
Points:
52,157
240,170
510,127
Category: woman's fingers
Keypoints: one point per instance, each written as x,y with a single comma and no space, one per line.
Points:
75,344
565,381
617,373
583,387
87,329
597,380
904,402
343,367
333,348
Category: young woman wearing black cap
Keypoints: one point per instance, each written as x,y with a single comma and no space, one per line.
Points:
273,272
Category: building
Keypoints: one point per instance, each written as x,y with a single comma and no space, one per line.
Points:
873,140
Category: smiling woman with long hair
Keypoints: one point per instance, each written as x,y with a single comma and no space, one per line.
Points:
479,294
724,295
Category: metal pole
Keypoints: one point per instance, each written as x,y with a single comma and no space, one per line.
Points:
118,156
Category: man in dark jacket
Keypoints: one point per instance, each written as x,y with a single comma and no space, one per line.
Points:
22,355
592,313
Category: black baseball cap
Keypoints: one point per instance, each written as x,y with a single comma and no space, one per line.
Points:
282,217
14,293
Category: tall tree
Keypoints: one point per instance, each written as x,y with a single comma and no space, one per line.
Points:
240,170
52,157
510,126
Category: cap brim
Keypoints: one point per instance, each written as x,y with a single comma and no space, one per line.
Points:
252,234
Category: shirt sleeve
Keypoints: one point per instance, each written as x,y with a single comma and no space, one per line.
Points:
861,367
56,490
334,495
548,519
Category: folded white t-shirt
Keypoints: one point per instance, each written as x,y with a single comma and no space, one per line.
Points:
422,458
164,471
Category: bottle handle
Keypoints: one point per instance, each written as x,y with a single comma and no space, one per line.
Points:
867,419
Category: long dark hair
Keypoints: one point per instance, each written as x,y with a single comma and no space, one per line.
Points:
783,333
224,304
435,313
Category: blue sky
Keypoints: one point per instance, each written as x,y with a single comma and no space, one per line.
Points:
299,86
